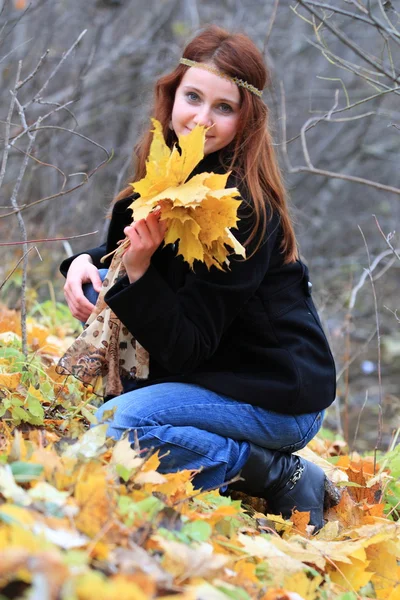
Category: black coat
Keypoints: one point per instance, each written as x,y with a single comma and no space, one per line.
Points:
251,333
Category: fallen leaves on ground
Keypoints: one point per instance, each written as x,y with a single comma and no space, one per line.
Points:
83,517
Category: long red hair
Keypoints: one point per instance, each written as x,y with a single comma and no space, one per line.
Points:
251,154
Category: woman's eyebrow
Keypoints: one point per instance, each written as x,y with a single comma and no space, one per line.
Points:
229,100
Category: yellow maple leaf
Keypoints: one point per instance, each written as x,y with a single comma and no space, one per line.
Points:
94,499
306,587
199,212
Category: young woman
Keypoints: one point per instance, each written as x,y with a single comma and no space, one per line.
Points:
240,370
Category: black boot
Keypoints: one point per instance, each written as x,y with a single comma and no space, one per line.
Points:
286,481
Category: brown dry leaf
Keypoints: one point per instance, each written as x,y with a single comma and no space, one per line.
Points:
136,560
185,562
9,321
280,562
301,520
333,473
10,381
347,512
123,454
177,486
360,473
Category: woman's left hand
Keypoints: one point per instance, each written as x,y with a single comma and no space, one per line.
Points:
145,236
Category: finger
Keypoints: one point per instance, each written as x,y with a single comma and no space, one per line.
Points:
76,311
143,234
132,232
156,227
77,301
95,279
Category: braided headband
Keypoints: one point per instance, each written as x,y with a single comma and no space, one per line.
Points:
199,65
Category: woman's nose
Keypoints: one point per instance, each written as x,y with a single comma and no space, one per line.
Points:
203,117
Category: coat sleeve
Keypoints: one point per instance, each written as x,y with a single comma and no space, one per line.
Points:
182,329
121,217
96,254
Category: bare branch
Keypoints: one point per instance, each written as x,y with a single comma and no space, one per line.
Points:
8,129
270,25
324,173
16,266
370,21
59,107
360,52
348,107
84,137
63,58
283,128
42,164
61,239
303,136
21,223
35,70
353,67
378,336
57,195
364,276
388,239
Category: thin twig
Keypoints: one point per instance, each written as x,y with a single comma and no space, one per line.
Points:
84,137
378,333
57,67
303,136
333,175
387,238
42,164
270,25
283,128
35,70
210,489
61,239
8,129
16,266
359,419
58,194
352,67
370,21
60,106
364,276
360,52
310,168
21,223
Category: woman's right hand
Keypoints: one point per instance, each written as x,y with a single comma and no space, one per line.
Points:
81,270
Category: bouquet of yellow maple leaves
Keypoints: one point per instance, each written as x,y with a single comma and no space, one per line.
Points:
199,213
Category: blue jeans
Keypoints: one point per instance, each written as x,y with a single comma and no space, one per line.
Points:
195,428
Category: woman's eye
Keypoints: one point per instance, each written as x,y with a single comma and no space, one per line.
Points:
225,108
192,96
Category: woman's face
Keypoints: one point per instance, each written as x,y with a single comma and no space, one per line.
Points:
207,99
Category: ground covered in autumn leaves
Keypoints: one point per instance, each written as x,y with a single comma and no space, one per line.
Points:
82,517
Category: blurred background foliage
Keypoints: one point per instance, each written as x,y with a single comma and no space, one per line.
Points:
109,76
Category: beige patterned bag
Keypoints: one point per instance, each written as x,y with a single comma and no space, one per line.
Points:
105,351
